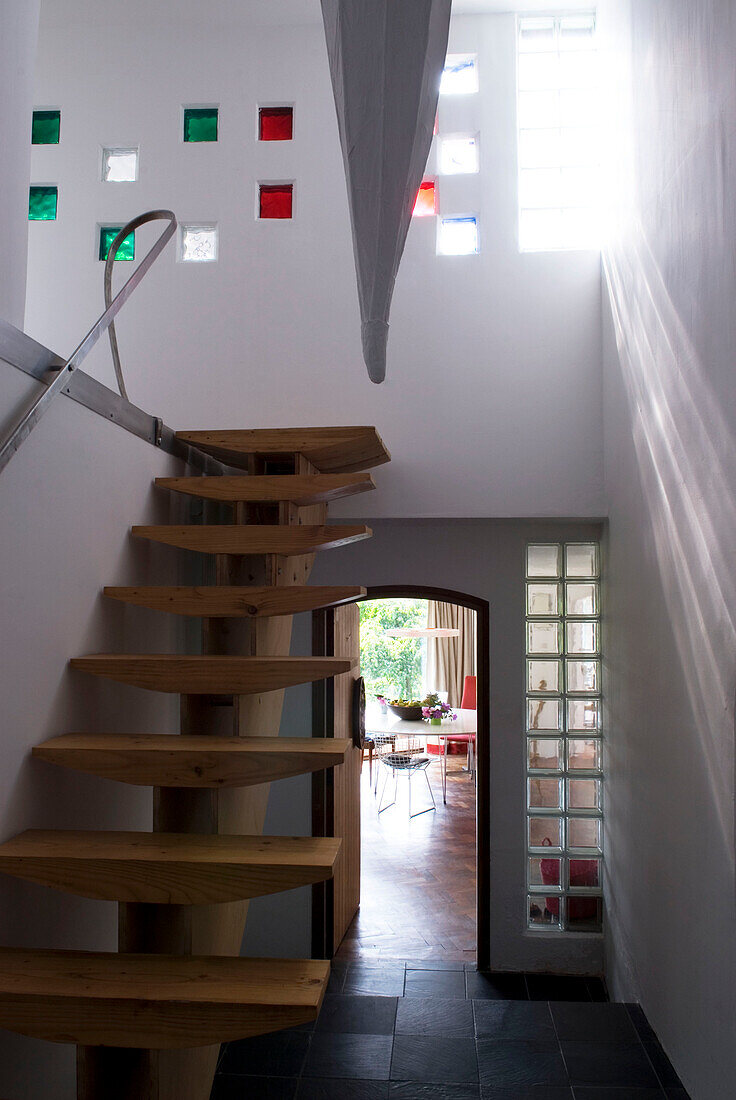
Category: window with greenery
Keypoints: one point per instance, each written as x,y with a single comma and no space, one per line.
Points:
392,666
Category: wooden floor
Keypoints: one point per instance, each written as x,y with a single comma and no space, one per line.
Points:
418,876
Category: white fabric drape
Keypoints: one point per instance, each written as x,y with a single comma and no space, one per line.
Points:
386,60
450,660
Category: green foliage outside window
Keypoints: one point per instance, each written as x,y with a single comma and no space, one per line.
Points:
391,666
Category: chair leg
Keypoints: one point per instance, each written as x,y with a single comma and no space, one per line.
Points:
381,807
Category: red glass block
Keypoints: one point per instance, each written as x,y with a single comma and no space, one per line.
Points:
275,123
426,201
275,200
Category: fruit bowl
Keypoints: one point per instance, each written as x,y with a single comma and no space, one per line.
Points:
410,713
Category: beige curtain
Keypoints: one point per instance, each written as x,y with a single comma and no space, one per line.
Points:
450,660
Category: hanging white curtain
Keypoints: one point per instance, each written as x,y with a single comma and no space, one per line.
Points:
386,60
450,660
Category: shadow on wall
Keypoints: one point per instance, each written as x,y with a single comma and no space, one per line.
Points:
686,455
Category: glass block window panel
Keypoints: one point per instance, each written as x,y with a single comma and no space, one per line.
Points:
460,74
458,155
46,128
200,123
42,203
275,200
545,832
425,205
275,123
543,599
563,743
197,243
458,236
545,754
558,120
581,598
544,561
543,676
108,233
119,165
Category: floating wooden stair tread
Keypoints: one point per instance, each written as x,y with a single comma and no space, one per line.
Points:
155,1001
205,675
330,450
221,601
161,760
254,539
293,488
167,868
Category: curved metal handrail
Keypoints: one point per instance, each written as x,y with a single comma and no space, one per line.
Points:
27,423
140,271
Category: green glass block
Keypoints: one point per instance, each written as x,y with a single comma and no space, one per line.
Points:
200,123
108,233
42,203
45,127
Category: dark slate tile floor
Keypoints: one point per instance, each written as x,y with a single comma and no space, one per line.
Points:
406,1031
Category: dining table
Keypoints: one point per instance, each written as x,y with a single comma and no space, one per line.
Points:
391,726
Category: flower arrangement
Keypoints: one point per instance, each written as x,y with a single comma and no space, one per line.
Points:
437,711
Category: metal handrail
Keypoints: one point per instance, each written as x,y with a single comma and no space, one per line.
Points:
27,423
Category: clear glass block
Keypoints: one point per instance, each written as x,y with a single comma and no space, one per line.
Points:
544,714
544,871
581,559
540,916
198,243
584,754
544,754
537,71
583,715
542,599
458,155
581,228
578,70
42,203
582,637
584,914
541,187
584,794
582,598
578,148
584,832
460,74
540,149
544,637
585,873
45,127
458,236
119,165
543,560
540,110
543,675
583,676
540,230
577,32
200,123
577,108
108,233
544,794
536,34
579,186
545,832
425,204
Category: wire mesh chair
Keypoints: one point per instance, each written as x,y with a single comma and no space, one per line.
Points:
408,762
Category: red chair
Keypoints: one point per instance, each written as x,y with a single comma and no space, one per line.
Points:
465,742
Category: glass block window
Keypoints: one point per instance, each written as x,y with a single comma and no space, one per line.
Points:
108,233
458,236
119,165
426,200
275,123
564,777
460,74
559,131
42,204
197,243
45,127
458,155
275,200
200,123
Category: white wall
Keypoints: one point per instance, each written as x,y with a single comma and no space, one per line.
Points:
670,600
492,403
18,37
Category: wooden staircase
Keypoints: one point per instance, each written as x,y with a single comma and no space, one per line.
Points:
148,1020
